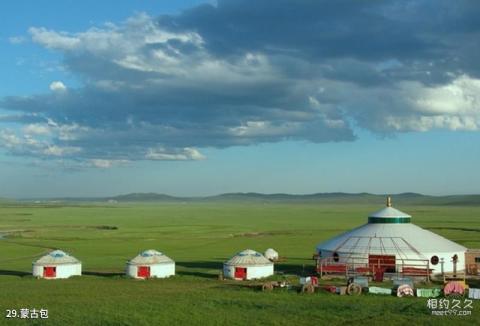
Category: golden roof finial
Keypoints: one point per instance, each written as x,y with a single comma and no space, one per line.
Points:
389,201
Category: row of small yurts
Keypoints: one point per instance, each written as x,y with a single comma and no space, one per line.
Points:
245,265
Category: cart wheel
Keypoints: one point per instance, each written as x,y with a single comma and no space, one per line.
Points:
354,289
267,287
308,288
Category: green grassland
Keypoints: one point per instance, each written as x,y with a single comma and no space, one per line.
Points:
199,237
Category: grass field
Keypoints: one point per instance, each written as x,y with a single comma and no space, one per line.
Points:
199,237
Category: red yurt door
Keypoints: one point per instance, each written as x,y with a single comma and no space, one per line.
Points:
240,273
143,271
49,271
382,262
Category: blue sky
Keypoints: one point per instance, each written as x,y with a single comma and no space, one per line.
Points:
198,98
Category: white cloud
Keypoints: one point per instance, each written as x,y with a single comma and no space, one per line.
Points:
186,154
16,39
54,150
37,129
461,96
9,139
105,164
265,128
157,90
57,86
52,39
454,106
98,163
27,144
69,132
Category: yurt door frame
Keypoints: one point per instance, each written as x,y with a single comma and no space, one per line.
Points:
241,273
386,262
143,271
49,271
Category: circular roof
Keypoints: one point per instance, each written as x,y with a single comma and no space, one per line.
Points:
56,257
389,215
389,231
249,258
404,239
150,257
389,212
271,251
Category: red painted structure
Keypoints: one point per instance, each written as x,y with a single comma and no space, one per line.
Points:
241,273
143,271
49,271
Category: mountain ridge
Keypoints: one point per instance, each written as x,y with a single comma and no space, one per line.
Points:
406,198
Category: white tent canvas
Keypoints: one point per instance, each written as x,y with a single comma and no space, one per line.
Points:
389,232
57,265
248,265
271,254
150,264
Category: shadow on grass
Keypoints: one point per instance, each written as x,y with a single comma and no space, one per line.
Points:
200,269
211,269
14,273
103,274
241,285
297,269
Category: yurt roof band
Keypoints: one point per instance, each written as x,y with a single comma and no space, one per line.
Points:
395,220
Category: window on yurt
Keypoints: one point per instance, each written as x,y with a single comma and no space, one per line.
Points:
336,257
434,260
477,259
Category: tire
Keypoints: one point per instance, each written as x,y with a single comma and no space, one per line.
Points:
267,287
308,288
354,289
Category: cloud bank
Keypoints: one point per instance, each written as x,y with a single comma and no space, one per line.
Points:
164,88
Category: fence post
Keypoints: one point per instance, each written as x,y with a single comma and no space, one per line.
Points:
442,261
428,271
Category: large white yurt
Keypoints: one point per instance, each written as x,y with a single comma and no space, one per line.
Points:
390,239
248,265
57,264
150,264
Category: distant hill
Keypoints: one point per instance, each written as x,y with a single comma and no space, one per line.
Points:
150,196
408,198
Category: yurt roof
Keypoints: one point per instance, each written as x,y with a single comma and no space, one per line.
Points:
150,257
389,215
271,251
389,231
249,258
389,212
57,257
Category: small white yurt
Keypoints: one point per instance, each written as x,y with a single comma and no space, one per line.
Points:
248,265
271,254
150,264
390,239
57,264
